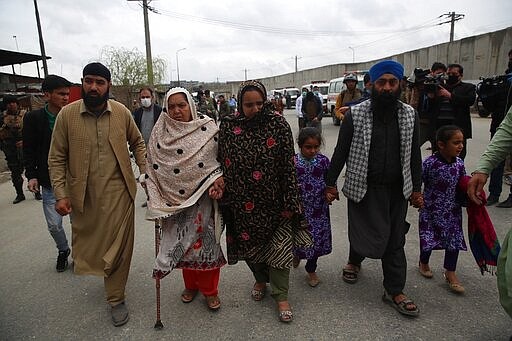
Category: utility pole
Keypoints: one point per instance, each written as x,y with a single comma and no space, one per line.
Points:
296,64
178,64
452,18
245,70
353,54
41,42
149,59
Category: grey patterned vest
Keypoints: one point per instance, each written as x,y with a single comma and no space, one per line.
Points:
355,184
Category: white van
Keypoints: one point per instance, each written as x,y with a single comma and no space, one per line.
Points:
323,89
336,85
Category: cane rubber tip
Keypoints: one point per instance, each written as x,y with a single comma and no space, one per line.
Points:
158,325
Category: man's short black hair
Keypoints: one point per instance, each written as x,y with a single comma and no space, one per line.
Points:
52,82
366,78
461,69
10,99
438,66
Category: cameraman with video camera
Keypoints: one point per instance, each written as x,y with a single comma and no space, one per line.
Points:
449,102
419,100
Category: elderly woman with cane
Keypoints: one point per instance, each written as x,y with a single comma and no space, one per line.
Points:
183,182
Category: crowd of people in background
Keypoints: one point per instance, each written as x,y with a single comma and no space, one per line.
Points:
204,158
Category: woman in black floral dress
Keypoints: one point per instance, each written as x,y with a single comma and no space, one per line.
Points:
261,197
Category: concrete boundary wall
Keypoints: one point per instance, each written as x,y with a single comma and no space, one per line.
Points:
481,55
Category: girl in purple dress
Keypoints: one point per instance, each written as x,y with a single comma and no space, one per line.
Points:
311,168
440,223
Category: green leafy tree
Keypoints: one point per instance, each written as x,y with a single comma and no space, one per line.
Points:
128,67
129,72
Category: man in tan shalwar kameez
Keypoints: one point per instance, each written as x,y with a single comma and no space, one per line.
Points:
91,174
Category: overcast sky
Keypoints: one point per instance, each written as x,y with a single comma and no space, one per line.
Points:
274,32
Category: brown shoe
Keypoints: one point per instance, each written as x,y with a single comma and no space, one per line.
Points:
119,314
454,286
313,279
427,273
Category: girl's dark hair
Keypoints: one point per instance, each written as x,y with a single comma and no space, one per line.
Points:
445,133
309,132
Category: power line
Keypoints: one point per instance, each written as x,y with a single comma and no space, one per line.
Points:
276,30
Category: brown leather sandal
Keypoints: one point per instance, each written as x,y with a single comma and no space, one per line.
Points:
213,302
188,295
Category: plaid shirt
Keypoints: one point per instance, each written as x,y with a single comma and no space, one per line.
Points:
355,185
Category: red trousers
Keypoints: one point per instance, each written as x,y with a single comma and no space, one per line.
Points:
206,281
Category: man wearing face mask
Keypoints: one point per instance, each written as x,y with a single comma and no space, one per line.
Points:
378,141
148,113
451,102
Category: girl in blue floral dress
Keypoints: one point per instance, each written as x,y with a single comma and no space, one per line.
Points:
440,221
311,168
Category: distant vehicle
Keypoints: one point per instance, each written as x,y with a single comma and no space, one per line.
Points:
275,92
336,85
323,88
294,94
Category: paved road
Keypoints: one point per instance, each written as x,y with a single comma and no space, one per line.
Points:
38,303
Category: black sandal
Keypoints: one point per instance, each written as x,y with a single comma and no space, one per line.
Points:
401,306
350,274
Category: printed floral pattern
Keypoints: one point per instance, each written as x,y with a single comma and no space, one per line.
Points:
310,175
260,184
440,221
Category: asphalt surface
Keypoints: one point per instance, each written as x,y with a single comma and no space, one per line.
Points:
36,302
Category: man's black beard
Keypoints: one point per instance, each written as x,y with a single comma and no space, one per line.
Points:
93,100
384,101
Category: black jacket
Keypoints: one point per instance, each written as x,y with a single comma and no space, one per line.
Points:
137,114
36,145
463,97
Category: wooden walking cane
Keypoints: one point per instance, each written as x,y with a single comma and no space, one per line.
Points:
158,324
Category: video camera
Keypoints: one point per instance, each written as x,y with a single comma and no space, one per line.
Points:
495,91
424,77
432,82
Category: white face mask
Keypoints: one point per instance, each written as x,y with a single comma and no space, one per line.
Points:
145,102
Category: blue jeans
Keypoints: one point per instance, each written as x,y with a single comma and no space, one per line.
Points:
54,220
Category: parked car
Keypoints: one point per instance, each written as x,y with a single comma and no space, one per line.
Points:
336,85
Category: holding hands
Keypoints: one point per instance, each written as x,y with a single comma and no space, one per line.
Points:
331,193
416,199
